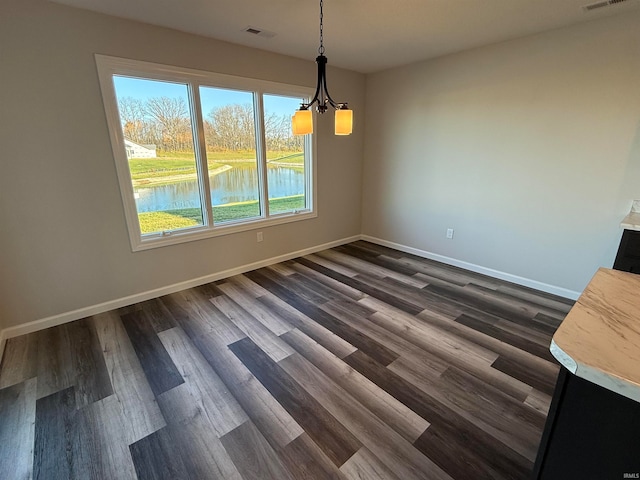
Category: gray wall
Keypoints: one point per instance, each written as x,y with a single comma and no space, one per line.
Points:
64,242
529,149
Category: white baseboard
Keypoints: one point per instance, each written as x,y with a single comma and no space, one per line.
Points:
55,320
527,282
3,341
65,317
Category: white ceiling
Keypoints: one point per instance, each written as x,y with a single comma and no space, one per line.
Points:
361,35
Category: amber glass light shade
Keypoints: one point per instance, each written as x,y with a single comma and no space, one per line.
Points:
344,121
302,122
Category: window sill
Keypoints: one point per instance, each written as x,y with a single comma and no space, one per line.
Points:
148,242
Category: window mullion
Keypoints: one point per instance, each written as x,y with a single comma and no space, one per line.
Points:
310,171
261,152
200,149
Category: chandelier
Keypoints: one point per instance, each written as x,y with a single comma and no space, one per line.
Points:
302,121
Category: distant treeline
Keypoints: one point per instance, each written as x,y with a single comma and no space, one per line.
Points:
165,122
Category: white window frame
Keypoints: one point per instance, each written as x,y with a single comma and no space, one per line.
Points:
109,66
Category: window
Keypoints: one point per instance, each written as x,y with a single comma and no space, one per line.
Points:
200,154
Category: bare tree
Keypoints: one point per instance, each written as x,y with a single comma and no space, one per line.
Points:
172,115
132,117
232,127
279,135
165,122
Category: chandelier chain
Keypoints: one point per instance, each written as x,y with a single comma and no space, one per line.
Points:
321,49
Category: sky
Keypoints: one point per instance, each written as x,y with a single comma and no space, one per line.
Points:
210,97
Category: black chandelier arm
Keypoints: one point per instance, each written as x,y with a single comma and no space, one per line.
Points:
322,65
320,83
322,88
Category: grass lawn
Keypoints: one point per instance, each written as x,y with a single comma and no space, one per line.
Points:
183,163
188,217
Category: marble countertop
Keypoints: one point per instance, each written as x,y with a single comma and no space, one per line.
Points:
599,340
632,220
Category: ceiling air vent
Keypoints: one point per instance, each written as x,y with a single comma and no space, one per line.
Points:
602,4
259,32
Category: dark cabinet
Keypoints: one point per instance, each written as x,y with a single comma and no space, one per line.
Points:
591,433
628,257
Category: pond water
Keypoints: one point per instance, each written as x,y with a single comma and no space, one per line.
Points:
238,184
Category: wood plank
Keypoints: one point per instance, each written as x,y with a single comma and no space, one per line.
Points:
252,454
391,311
447,273
358,284
250,287
332,438
17,419
272,419
159,369
158,315
62,448
383,261
256,331
70,355
539,401
461,431
423,333
529,306
110,435
20,360
428,300
546,323
345,290
369,269
398,454
459,454
492,410
311,282
413,370
282,269
91,375
527,360
364,465
374,248
316,292
198,317
477,302
329,340
554,302
156,458
410,352
270,320
467,361
328,264
531,333
208,290
402,419
201,450
136,407
304,459
538,380
293,285
353,336
55,364
505,335
207,393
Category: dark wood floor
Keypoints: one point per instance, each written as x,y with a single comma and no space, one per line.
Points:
356,362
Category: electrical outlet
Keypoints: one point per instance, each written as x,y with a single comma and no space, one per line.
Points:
260,237
449,233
